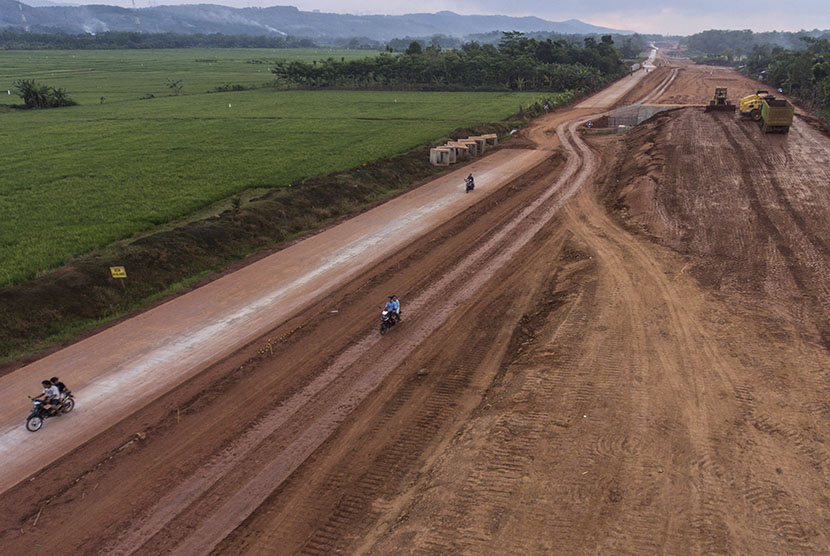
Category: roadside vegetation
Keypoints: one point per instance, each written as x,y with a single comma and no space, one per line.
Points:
518,63
804,74
734,45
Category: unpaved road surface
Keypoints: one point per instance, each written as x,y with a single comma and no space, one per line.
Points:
623,350
157,350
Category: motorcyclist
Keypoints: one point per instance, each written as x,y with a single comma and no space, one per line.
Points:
51,396
470,182
392,308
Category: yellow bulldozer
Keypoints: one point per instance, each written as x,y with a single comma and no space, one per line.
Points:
750,106
720,102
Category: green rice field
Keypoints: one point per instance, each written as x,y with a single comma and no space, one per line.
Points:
119,75
79,178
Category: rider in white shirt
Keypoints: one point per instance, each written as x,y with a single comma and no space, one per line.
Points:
51,395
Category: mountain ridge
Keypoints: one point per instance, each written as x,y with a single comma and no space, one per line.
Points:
272,20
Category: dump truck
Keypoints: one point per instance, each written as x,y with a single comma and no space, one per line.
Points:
776,115
750,106
719,102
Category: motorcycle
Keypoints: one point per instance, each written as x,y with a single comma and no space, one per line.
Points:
388,319
39,413
470,185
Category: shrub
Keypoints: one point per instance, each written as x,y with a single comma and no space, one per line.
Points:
35,95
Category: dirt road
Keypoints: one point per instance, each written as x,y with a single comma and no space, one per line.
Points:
152,353
622,351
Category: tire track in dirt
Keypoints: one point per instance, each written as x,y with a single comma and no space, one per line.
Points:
723,431
400,454
661,88
689,362
780,515
766,218
619,251
499,474
469,345
711,473
779,192
792,208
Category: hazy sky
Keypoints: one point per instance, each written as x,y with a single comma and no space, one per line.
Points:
650,16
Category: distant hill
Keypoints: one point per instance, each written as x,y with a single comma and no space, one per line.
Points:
276,20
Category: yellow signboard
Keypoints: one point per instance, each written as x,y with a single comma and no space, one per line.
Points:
118,272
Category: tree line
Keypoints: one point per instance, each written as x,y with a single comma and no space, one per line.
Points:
629,46
735,44
804,74
518,62
13,40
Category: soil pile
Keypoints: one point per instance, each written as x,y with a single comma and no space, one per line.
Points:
752,210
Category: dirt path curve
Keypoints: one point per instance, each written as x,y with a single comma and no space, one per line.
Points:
123,368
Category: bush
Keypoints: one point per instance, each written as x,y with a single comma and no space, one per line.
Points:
35,95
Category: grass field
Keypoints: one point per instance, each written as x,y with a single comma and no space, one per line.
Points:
119,75
78,178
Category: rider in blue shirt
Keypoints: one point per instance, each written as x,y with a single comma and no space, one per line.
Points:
397,305
393,306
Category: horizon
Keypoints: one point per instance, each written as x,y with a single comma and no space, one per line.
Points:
667,17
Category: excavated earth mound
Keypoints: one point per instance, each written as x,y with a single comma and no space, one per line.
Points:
752,210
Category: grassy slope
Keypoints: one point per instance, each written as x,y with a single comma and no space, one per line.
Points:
79,178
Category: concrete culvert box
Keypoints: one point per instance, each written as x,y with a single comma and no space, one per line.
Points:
441,156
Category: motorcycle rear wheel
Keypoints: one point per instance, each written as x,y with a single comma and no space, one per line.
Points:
34,423
68,405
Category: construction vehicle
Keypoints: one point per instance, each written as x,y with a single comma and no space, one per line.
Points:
750,106
719,102
776,115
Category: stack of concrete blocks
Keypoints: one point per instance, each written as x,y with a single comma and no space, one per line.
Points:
441,156
463,148
462,151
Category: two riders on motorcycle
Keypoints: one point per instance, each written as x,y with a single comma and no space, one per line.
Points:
51,396
53,390
393,307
